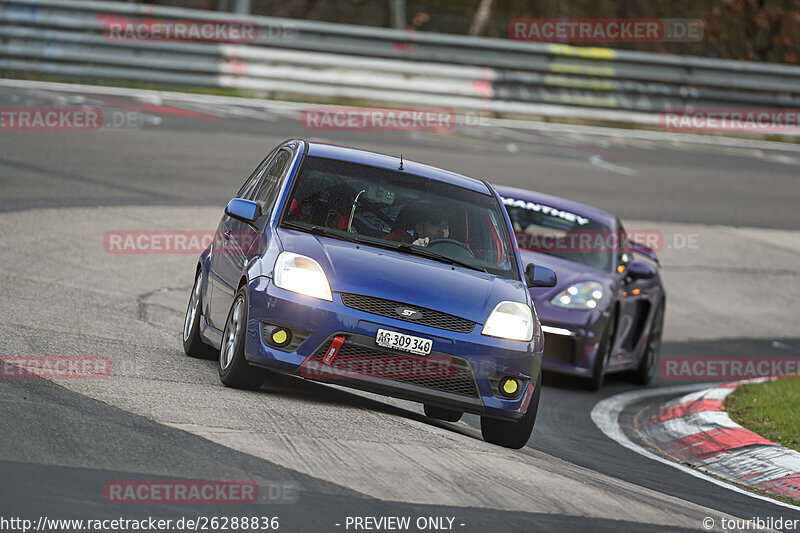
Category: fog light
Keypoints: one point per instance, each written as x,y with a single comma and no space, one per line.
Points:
509,386
280,337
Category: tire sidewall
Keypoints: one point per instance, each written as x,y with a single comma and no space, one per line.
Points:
603,355
193,330
650,359
193,345
237,362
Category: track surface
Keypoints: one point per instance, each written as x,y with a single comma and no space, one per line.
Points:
162,415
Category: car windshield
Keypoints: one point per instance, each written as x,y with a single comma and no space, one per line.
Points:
402,211
549,230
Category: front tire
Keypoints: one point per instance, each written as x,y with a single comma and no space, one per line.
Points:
234,371
652,353
193,345
513,433
603,356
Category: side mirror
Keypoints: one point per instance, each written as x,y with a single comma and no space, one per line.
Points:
540,276
244,210
641,270
644,250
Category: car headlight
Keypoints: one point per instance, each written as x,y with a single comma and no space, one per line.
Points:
583,295
303,275
510,320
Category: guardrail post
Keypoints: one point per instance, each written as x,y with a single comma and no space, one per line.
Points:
399,13
241,6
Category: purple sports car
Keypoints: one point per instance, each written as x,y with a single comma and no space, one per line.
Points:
607,312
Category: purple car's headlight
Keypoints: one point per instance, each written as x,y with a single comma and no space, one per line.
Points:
583,295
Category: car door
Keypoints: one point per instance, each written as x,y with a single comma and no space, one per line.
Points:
226,261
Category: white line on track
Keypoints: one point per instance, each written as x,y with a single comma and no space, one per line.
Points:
598,161
606,413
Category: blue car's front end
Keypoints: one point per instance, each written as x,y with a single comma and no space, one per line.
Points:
379,274
367,288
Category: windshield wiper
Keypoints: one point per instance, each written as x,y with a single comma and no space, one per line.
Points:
363,239
321,230
418,250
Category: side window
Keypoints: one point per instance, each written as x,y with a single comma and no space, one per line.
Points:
248,190
275,170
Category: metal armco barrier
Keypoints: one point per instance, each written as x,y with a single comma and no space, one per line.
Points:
321,60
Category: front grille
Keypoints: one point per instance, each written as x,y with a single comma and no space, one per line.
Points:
430,317
559,348
461,383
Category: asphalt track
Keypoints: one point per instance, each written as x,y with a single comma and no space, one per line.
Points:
162,415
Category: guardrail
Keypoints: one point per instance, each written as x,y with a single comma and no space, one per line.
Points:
322,60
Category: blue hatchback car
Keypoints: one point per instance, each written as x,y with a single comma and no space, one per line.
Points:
364,270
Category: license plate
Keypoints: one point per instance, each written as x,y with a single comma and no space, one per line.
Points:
401,341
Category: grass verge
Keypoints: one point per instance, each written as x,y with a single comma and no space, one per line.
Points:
771,409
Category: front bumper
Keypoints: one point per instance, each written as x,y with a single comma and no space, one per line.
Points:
471,385
571,349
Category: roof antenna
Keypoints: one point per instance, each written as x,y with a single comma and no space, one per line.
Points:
401,163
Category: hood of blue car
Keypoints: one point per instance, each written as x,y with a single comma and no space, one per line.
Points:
413,280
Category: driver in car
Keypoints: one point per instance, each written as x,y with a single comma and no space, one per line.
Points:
426,223
429,230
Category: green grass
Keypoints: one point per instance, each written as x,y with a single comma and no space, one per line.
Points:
771,409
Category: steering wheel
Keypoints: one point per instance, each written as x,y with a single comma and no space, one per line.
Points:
451,242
